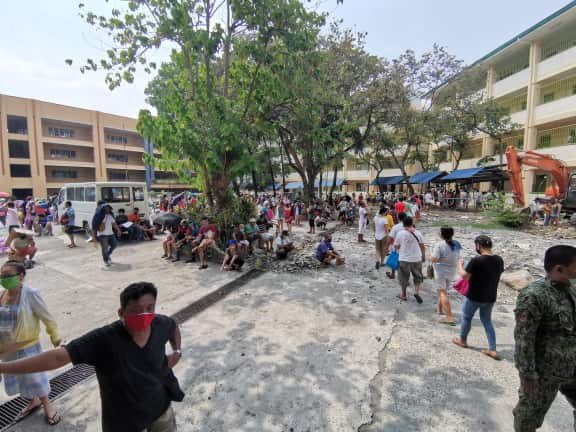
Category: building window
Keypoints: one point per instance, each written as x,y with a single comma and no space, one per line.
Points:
62,154
20,171
117,175
540,182
572,136
523,105
117,157
361,187
544,141
18,149
548,97
17,125
64,174
61,132
116,139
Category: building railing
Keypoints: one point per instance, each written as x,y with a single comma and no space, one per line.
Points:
509,70
557,47
515,104
557,137
558,89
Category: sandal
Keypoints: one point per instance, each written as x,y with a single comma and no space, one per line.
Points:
27,411
447,322
54,420
401,298
492,354
457,341
390,275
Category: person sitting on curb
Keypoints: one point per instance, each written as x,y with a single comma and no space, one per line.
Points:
206,238
23,246
283,245
137,384
325,252
232,259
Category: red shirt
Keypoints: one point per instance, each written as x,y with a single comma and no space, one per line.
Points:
210,227
134,218
400,207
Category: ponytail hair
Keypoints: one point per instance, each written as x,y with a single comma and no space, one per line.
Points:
447,233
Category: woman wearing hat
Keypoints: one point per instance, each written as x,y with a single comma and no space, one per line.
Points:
23,246
21,310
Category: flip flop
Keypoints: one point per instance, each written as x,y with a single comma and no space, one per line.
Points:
390,275
488,353
54,420
445,321
27,411
401,298
457,341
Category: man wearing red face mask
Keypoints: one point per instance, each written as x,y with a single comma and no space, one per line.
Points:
135,375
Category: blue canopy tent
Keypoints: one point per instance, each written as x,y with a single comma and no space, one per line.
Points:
328,183
461,176
271,187
294,185
382,181
425,177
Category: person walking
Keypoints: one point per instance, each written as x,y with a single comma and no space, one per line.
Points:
445,256
381,236
412,253
392,235
137,385
68,221
362,221
483,273
105,234
21,310
545,352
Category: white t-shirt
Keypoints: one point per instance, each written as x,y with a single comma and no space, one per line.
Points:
396,229
281,242
409,247
428,198
380,226
11,217
362,212
108,223
414,209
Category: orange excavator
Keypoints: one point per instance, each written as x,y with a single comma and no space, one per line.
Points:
562,185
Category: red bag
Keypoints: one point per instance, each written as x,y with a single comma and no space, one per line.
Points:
462,285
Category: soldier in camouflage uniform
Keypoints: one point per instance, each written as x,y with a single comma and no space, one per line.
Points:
545,336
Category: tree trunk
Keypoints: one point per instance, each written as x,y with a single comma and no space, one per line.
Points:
308,190
334,178
282,169
320,184
220,185
254,183
236,187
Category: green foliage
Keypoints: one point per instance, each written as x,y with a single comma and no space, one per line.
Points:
506,214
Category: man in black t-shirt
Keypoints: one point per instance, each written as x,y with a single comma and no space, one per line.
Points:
134,373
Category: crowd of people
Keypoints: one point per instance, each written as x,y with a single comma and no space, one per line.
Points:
133,347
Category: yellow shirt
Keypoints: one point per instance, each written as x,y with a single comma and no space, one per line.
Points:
390,220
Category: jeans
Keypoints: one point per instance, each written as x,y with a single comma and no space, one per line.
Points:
108,243
468,310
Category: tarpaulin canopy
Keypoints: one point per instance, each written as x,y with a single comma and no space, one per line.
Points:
425,177
271,187
294,185
328,183
394,180
463,174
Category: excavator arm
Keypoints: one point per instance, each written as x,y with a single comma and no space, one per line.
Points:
555,167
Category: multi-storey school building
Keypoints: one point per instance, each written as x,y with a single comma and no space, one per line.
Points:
45,145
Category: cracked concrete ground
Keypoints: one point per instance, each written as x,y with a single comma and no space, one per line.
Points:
334,350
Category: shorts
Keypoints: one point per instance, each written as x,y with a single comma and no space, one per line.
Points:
410,268
311,223
12,227
266,236
443,281
361,228
381,246
69,230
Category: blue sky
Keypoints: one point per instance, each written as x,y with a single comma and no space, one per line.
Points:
38,35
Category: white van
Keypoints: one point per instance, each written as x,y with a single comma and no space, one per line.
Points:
120,195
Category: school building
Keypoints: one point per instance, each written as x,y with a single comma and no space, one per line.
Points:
45,145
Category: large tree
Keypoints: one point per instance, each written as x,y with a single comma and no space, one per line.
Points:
205,95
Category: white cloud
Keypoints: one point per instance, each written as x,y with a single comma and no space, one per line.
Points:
65,85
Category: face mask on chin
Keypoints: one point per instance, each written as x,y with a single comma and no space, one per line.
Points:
138,322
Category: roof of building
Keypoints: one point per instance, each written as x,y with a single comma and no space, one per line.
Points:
526,32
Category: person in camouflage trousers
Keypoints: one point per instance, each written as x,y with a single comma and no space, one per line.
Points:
545,336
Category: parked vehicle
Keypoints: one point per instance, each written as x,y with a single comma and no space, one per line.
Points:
120,195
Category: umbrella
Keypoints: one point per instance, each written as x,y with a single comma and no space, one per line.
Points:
4,195
168,219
